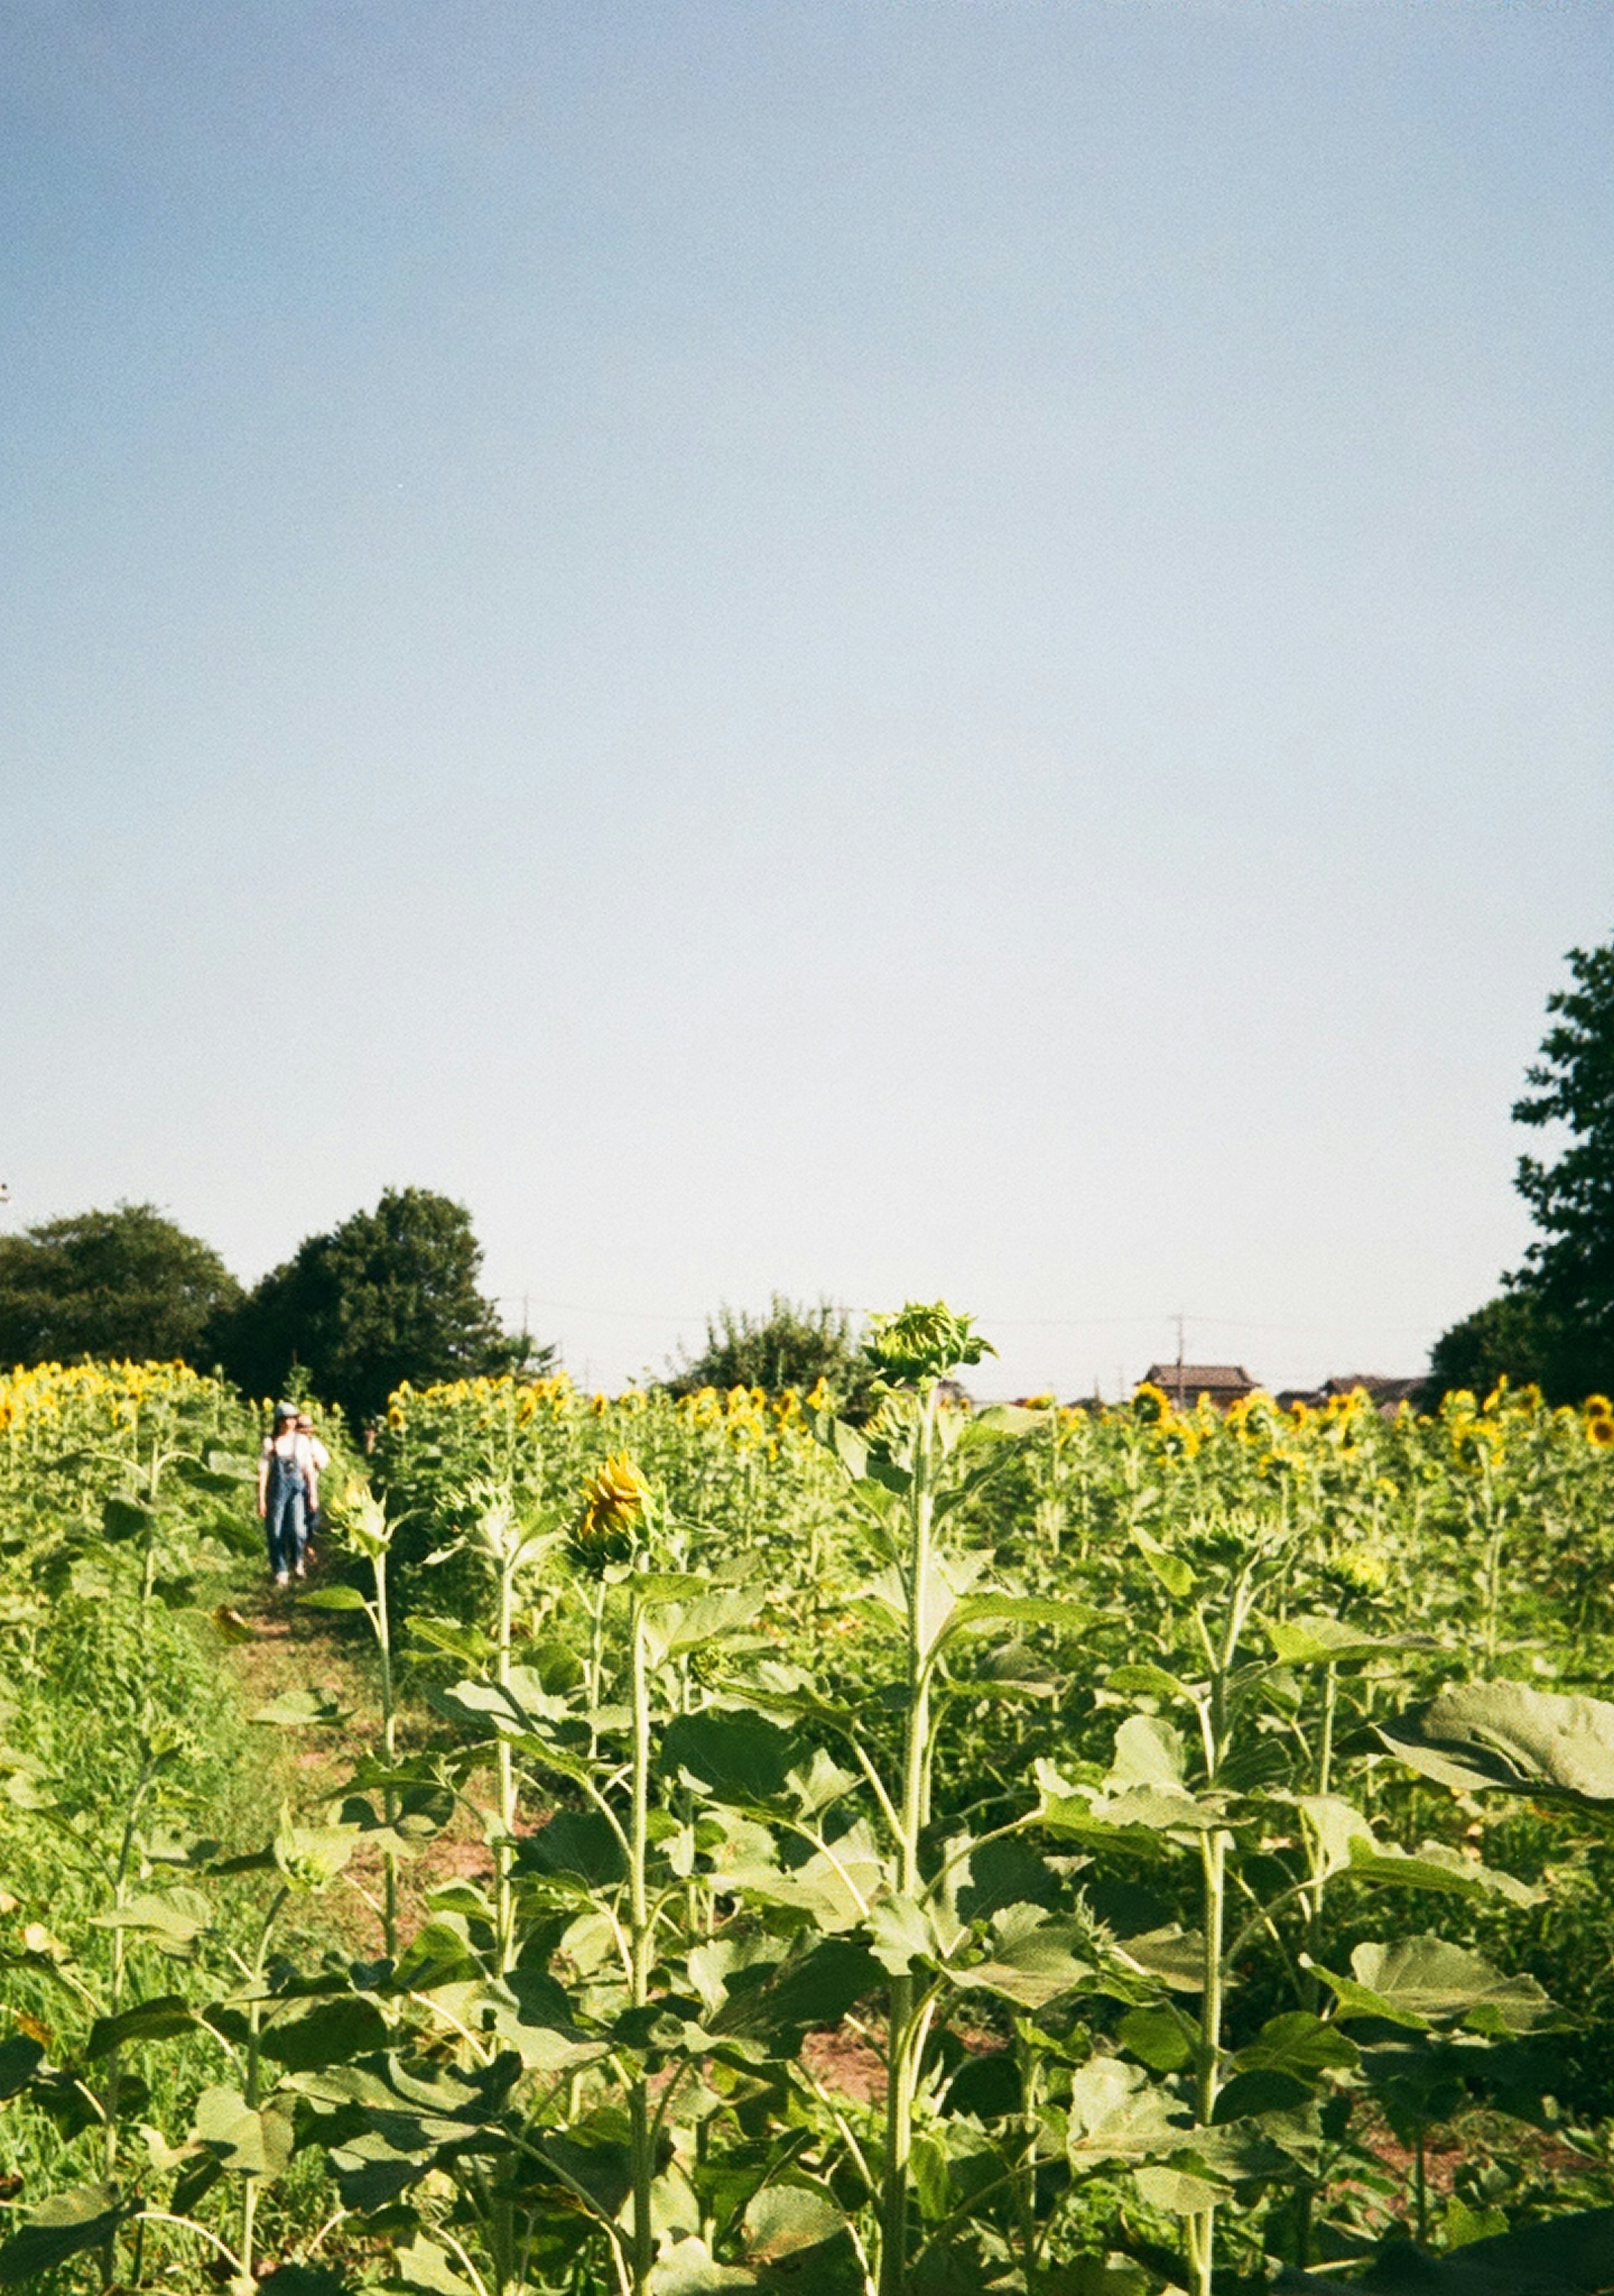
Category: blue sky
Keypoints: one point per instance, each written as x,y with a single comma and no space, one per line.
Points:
881,649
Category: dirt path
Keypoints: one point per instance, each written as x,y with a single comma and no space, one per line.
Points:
277,1646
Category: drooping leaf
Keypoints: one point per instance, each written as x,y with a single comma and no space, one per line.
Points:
300,1709
1117,2113
124,1519
1173,1573
425,2269
580,1844
1163,2038
1297,2042
307,2280
1505,1735
733,1754
775,2003
331,1598
688,1625
1032,1959
1177,2192
901,1932
20,2058
439,1954
330,2033
1316,1639
160,2020
687,2269
250,2143
171,1920
64,2225
784,2219
1148,1752
1423,1980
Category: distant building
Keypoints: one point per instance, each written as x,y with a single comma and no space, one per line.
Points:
1386,1394
1185,1383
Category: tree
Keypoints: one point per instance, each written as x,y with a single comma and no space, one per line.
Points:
790,1345
1569,1269
1553,1322
126,1282
390,1295
1511,1337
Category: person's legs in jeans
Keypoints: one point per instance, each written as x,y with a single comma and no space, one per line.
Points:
284,1525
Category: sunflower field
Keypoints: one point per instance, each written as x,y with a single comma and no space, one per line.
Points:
696,1844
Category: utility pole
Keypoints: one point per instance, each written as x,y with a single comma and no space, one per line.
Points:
1178,1319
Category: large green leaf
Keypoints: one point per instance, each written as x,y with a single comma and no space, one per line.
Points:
124,1519
1423,1981
687,1626
301,1710
773,2002
836,1886
1347,1845
425,2269
734,1754
329,2033
784,2219
20,2058
1118,2113
580,1844
160,2020
1033,1958
63,2227
1314,1638
687,2267
250,2143
1505,1735
171,1920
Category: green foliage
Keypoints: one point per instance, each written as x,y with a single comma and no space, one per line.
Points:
1513,1337
387,1297
1570,1268
1147,1795
790,1345
123,1285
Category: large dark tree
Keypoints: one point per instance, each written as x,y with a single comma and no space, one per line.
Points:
1554,1321
390,1295
1569,1268
1511,1337
126,1283
790,1345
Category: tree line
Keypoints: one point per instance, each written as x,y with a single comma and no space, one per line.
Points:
393,1294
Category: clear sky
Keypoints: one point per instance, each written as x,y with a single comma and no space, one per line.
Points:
881,647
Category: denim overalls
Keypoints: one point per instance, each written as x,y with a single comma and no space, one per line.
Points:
286,1519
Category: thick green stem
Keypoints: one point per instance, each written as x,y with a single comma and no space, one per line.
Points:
1201,2229
902,2057
640,1950
504,1894
383,1622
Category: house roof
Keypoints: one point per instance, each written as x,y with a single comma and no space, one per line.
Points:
1197,1376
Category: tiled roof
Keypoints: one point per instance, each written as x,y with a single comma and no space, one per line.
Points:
1195,1376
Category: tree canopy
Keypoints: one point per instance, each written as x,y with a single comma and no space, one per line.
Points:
790,1345
1569,1268
387,1296
1553,1322
110,1284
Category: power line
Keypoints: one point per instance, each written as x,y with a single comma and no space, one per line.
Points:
1002,1323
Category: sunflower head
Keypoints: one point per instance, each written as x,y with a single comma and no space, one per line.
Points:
922,1343
1600,1431
609,1523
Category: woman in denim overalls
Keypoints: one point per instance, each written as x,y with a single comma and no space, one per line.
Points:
287,1491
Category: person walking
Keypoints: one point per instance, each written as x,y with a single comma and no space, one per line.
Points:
288,1489
322,1460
